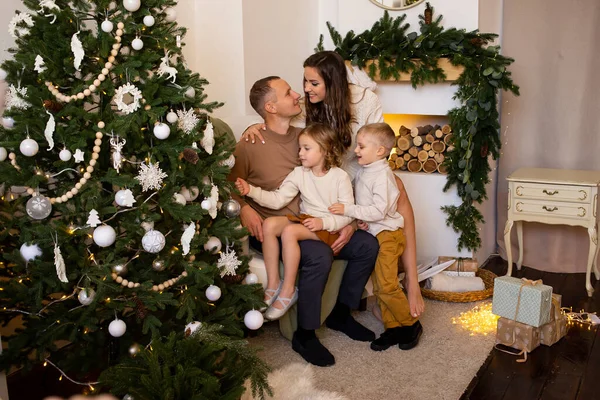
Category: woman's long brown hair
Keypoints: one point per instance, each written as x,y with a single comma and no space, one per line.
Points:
334,110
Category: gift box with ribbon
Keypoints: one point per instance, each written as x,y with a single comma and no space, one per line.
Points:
518,336
522,300
556,329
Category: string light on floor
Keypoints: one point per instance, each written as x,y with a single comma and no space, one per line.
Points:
478,321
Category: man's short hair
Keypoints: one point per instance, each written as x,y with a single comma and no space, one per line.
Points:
259,92
382,133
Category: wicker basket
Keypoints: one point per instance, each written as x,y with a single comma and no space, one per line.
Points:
465,297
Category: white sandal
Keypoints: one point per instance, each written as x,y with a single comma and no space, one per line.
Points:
273,293
273,313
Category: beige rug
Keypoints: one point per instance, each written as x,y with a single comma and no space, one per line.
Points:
440,367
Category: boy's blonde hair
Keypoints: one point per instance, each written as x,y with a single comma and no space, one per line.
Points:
327,139
382,134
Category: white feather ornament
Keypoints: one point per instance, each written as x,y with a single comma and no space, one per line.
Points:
214,199
77,49
49,131
59,262
208,141
186,238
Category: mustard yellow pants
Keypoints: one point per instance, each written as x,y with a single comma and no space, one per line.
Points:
392,301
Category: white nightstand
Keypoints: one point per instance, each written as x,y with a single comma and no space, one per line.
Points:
554,196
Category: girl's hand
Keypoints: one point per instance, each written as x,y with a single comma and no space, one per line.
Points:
337,209
362,225
313,224
242,186
253,131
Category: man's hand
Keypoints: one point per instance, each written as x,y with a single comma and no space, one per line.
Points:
253,132
313,224
242,186
345,235
337,209
415,300
362,225
252,221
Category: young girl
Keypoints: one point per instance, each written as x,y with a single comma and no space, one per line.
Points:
321,183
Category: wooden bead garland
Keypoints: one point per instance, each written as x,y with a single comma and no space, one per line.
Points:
156,288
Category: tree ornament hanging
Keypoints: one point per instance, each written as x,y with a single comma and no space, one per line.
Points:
191,328
107,26
213,293
165,68
39,65
136,96
179,199
228,162
49,131
64,155
141,311
190,92
86,296
93,219
159,265
116,146
16,26
214,199
3,75
8,122
59,263
161,131
29,147
50,5
137,44
78,52
153,241
79,155
30,251
149,20
132,5
3,153
186,238
190,194
228,263
117,328
53,106
208,141
14,98
190,155
150,176
231,208
428,14
171,117
119,269
170,14
38,207
187,121
251,279
104,235
124,198
253,320
213,245
135,348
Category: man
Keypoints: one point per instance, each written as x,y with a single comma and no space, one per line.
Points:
267,166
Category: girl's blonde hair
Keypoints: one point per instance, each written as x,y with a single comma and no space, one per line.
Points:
326,138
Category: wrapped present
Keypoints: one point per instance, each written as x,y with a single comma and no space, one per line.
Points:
556,329
522,300
461,264
518,336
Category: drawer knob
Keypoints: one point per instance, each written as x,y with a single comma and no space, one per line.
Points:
550,209
552,193
582,212
584,195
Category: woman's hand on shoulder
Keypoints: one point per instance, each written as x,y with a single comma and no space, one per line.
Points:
253,132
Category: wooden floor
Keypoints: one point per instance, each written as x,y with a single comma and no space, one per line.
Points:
568,370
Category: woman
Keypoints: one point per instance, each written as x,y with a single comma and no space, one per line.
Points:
346,107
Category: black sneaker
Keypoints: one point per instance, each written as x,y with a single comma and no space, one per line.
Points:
313,351
410,336
351,327
389,338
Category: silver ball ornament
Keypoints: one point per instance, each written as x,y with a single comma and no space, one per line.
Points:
251,279
38,207
120,269
213,293
213,245
253,319
117,328
158,265
231,208
86,296
153,241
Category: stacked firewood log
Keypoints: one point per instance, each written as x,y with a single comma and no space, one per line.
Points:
422,148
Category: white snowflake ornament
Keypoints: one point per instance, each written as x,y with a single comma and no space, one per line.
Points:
187,120
134,92
208,141
16,26
228,263
14,98
40,65
150,176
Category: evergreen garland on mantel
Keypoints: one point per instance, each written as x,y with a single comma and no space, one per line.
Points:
474,124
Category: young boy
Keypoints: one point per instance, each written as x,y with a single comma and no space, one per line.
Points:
376,196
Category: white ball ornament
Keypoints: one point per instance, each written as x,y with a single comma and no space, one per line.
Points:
251,279
107,26
8,122
213,293
178,198
86,296
149,20
206,204
3,74
104,235
3,154
190,194
191,328
170,14
253,319
137,44
117,328
172,117
161,131
29,147
153,241
64,155
30,251
124,198
132,5
213,245
190,92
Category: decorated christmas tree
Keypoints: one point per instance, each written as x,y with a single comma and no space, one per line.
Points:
120,244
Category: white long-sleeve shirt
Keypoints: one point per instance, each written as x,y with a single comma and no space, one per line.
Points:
376,198
317,193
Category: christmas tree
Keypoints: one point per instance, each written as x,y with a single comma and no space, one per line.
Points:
120,243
